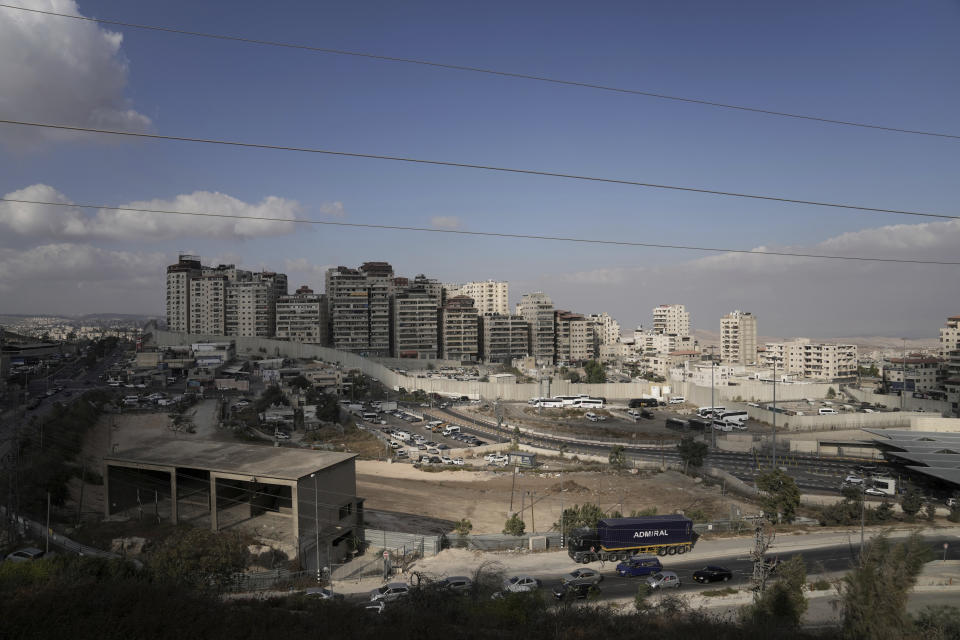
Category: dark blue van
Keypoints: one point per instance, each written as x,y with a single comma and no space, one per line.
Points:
639,566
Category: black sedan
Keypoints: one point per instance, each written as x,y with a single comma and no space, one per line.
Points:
712,574
576,590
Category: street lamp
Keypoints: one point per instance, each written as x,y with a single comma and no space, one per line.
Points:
316,522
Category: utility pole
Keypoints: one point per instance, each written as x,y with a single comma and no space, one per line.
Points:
48,522
903,387
774,410
316,522
83,481
533,519
713,414
863,516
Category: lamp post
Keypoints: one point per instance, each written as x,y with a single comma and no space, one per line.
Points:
713,414
316,522
775,410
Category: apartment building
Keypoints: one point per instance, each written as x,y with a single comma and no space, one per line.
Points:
647,342
537,310
606,330
503,338
671,319
922,373
574,338
208,311
460,330
738,338
489,297
250,309
302,317
950,337
358,305
179,277
804,359
415,333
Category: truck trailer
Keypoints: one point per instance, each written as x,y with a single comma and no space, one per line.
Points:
617,539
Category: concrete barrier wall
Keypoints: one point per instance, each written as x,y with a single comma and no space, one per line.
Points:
910,403
934,423
839,422
751,391
490,390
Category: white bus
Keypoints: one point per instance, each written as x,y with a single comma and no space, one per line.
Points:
734,416
588,403
371,417
567,401
551,403
707,412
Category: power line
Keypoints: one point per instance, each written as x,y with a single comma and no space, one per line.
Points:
493,72
490,234
467,165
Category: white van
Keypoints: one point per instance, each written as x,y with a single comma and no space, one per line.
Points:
677,400
592,417
451,429
826,411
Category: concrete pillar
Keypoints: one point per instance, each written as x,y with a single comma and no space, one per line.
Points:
173,496
295,502
213,501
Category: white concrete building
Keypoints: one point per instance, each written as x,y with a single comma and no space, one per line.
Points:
950,337
208,297
489,297
503,338
250,309
415,333
302,317
178,291
738,338
804,359
537,310
358,303
671,319
606,330
574,338
460,330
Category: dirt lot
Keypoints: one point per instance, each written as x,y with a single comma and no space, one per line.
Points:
484,497
400,497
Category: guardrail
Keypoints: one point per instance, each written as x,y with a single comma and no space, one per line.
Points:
25,525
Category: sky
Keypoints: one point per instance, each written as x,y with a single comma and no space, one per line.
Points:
878,62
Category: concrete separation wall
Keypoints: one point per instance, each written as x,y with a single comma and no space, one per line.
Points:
267,347
752,391
909,402
839,422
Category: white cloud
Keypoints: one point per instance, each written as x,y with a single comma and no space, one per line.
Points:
792,295
446,222
62,71
70,223
334,209
79,278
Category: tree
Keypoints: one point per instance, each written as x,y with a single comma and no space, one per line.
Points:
930,511
644,591
514,526
618,458
831,393
578,516
782,603
199,557
300,382
463,527
874,594
595,372
954,512
692,453
884,512
911,503
779,496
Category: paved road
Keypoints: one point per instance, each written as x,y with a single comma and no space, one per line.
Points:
812,474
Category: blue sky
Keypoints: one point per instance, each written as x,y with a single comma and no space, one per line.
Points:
889,63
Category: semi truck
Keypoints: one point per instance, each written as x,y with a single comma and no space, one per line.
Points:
617,539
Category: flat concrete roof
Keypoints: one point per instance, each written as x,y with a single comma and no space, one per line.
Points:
244,459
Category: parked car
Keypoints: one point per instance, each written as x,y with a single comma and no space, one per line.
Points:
712,574
873,491
588,575
576,590
25,555
664,580
521,584
457,584
459,462
321,593
390,592
639,566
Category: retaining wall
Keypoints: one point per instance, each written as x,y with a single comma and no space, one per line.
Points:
910,403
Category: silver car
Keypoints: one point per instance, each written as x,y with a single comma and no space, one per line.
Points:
664,580
390,592
582,575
